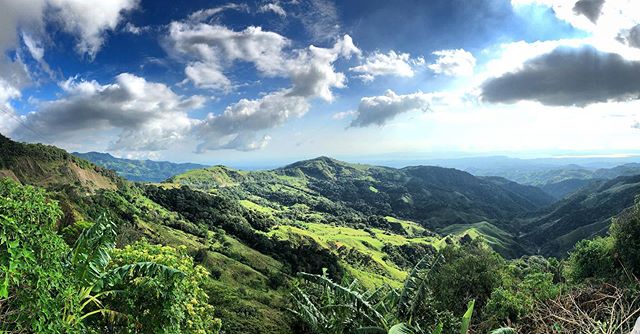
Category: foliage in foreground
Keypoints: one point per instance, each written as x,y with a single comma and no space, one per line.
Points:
326,307
47,287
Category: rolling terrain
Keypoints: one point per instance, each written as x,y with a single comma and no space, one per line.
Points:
138,170
254,230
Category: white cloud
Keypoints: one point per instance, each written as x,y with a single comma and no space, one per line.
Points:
312,71
90,20
238,126
273,7
204,14
148,116
319,18
453,63
133,29
210,48
381,64
22,27
378,110
343,114
607,20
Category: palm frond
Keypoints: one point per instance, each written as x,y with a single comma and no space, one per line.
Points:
414,289
400,328
140,269
91,253
466,318
360,303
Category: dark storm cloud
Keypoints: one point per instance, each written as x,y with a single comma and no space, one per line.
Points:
589,8
568,77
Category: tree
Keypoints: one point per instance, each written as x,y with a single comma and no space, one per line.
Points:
626,233
35,284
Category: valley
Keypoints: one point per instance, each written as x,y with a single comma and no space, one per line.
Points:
254,231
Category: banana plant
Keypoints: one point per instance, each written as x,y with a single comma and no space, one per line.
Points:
89,260
332,308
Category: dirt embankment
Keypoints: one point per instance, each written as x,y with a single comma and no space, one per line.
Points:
7,174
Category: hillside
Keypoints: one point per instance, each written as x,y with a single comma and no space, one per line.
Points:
253,231
51,167
431,196
359,195
583,215
252,246
138,170
85,192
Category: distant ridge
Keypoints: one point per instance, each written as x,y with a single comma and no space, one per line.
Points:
139,170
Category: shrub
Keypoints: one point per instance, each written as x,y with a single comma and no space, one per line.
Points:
34,283
468,272
162,306
592,259
626,233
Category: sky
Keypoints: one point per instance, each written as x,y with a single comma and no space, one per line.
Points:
263,82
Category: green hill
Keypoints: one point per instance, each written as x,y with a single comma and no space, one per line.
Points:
431,196
583,215
138,170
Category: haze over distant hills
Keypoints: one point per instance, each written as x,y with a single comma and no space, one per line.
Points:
138,170
558,177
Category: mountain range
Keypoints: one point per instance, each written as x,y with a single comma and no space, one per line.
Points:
371,222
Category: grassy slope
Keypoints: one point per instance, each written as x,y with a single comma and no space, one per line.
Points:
240,286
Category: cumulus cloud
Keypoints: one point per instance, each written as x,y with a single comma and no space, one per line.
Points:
381,64
313,73
274,8
210,48
606,19
149,116
238,126
568,77
589,8
378,110
22,27
453,63
90,20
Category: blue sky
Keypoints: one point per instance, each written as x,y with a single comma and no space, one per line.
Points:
264,82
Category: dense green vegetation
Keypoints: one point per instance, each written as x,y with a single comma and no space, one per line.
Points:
49,287
320,246
138,170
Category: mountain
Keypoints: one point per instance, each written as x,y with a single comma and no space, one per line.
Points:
51,167
431,196
243,292
580,216
138,170
559,177
254,230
